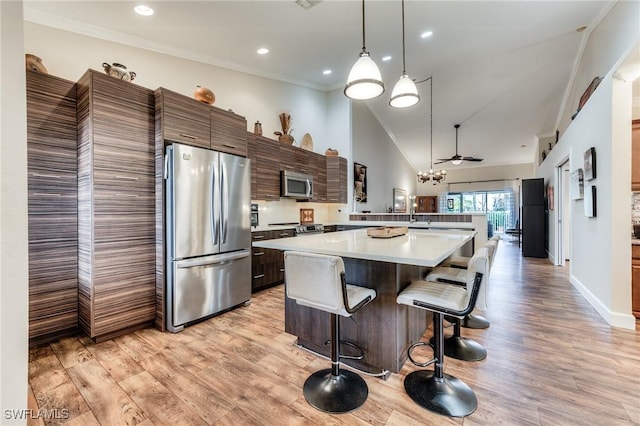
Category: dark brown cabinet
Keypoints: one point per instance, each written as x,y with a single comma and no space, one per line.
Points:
427,204
52,206
228,132
267,265
635,280
336,179
635,155
182,119
267,169
116,207
319,172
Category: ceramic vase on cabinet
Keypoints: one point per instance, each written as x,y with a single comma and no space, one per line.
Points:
118,71
205,95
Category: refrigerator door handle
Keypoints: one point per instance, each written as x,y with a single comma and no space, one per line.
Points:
224,184
217,259
214,218
308,188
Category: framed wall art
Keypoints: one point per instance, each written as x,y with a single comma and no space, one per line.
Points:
399,200
590,164
577,185
590,201
360,182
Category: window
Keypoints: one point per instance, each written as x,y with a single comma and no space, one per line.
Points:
499,206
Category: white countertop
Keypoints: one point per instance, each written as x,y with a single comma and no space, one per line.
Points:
418,247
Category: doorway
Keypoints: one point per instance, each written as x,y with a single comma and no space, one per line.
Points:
563,218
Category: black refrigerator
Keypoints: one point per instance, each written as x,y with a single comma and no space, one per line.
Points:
533,218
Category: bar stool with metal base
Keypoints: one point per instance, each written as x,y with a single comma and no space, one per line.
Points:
435,390
456,346
318,281
472,321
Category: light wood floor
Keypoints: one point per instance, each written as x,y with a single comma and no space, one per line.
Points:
551,360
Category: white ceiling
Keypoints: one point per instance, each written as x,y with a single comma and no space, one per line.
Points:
501,68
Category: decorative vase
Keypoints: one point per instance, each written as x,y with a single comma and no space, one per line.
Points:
34,63
118,71
286,139
257,128
205,95
330,152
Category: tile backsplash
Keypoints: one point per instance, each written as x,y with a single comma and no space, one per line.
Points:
635,207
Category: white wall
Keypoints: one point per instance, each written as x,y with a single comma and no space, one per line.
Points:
13,215
387,168
607,43
600,265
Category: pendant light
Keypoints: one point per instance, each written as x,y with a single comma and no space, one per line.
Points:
365,81
405,92
431,176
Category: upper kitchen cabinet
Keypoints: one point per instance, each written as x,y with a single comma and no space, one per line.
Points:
267,169
182,119
318,165
116,205
336,179
228,132
252,154
635,155
52,159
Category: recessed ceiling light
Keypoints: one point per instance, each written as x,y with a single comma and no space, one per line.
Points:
262,51
386,58
426,34
143,10
326,72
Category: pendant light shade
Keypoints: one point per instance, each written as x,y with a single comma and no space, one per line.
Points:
365,81
405,92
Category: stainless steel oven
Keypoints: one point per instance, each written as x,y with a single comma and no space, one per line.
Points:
296,185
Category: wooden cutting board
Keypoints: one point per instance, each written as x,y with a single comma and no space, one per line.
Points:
387,231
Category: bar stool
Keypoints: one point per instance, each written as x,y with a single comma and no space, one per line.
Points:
318,281
435,390
456,346
472,321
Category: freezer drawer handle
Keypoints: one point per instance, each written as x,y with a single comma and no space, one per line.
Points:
258,237
260,253
219,260
255,277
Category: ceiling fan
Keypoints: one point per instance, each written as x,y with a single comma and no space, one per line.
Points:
457,159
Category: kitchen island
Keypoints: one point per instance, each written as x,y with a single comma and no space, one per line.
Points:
384,329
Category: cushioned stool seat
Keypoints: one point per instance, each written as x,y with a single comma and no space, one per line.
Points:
318,281
435,390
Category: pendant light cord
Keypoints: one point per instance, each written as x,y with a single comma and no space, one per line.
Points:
430,117
364,45
404,67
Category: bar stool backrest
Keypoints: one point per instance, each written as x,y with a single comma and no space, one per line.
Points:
479,263
315,280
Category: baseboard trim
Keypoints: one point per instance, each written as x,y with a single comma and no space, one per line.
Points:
614,319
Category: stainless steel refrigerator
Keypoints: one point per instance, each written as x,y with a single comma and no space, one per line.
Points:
208,233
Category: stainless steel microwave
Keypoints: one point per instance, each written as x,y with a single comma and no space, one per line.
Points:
296,185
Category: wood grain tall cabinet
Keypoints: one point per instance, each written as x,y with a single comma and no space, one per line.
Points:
116,199
53,203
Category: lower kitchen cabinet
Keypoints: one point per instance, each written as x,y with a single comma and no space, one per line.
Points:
635,280
267,265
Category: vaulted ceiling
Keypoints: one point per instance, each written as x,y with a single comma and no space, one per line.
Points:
500,68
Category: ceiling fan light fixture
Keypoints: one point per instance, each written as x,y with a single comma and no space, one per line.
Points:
404,93
457,161
365,80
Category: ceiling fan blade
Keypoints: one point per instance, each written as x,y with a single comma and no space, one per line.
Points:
443,161
472,159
